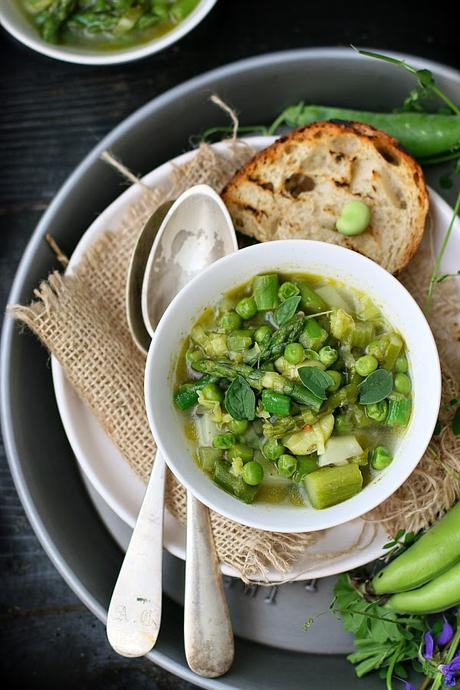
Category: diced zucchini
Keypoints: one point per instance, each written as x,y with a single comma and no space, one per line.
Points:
342,325
331,485
399,410
332,297
313,336
338,450
207,457
306,442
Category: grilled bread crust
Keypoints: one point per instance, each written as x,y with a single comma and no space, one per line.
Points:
297,187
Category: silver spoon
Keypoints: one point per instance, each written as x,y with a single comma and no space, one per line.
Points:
196,231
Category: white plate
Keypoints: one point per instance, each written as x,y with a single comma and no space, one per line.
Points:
111,476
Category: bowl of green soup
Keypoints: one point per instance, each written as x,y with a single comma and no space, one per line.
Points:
293,385
101,32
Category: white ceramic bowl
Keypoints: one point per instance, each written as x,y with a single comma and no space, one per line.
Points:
167,423
14,20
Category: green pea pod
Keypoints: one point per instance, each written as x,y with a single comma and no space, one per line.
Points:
424,135
433,554
438,595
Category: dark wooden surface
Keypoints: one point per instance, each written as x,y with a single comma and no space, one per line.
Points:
51,115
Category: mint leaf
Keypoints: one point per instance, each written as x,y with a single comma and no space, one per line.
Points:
287,309
240,400
375,387
316,380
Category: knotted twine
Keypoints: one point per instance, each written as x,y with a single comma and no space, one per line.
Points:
81,319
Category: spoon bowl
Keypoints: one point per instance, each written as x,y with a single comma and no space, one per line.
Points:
136,271
196,231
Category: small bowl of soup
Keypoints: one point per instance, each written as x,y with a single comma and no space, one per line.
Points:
101,32
293,385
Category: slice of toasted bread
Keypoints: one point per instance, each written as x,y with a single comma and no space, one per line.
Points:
297,187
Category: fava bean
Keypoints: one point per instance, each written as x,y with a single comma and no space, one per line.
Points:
354,219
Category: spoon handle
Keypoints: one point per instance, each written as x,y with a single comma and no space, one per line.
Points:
134,615
208,635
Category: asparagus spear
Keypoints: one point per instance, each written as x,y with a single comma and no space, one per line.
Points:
288,333
345,396
258,379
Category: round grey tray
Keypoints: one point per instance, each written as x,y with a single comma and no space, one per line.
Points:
42,464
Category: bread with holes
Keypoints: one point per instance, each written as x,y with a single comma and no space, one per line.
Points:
297,187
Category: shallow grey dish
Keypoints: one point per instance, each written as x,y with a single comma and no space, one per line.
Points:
41,461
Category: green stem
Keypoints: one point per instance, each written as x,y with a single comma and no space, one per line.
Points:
415,72
392,665
440,256
445,98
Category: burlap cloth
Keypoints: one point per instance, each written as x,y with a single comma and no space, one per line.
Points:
81,319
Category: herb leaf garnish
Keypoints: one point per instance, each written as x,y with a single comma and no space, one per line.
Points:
316,380
240,400
375,387
287,309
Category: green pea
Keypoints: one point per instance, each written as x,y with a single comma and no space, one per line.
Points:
287,290
380,458
253,473
262,334
223,441
294,353
402,383
212,392
328,355
366,364
246,308
238,426
354,219
272,449
337,377
287,465
238,450
401,365
230,321
377,411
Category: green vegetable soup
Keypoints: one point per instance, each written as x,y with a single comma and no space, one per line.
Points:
105,24
294,389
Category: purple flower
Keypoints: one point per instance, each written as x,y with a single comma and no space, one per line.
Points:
450,671
446,634
428,645
407,685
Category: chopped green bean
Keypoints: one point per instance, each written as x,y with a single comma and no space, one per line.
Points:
266,291
287,290
246,308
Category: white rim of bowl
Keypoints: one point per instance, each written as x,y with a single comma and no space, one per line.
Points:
118,56
421,443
